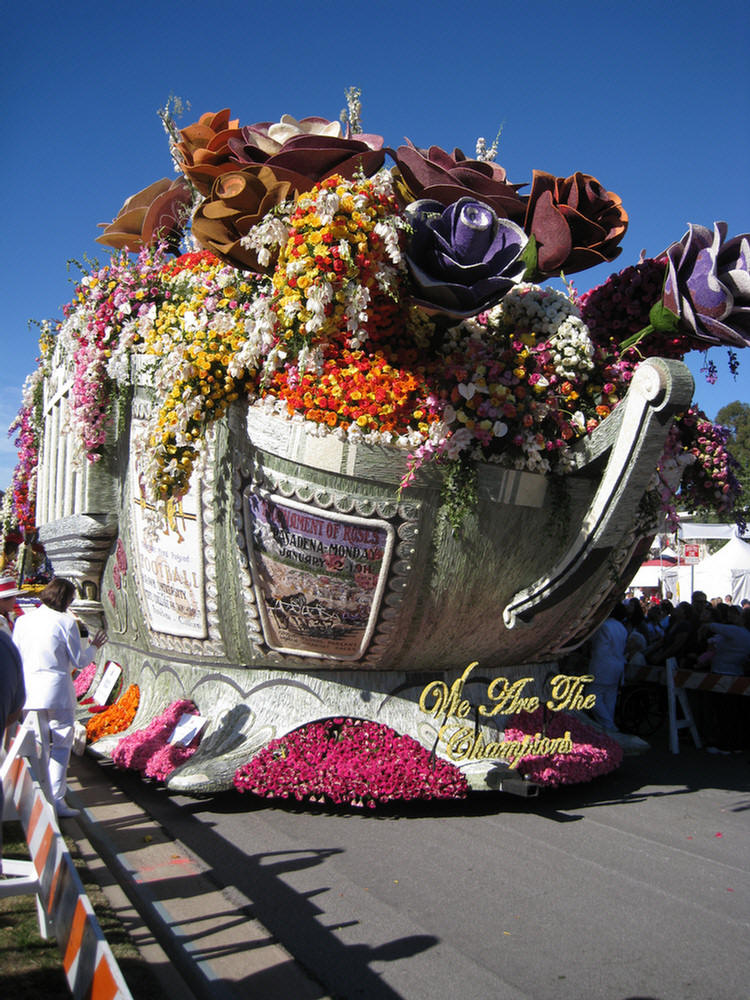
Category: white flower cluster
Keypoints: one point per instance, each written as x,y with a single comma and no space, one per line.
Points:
530,307
572,350
271,232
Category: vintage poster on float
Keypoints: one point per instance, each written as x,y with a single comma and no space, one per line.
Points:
169,559
319,575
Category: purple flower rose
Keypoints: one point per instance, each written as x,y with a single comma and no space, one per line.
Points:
708,284
463,258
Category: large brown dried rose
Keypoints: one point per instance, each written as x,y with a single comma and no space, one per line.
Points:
446,177
575,222
158,212
238,201
204,152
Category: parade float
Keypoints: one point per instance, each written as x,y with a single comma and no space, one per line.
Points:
344,481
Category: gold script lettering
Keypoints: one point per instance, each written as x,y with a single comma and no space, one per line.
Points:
508,697
567,693
447,701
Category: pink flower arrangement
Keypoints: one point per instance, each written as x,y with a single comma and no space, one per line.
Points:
82,681
149,750
105,311
710,481
594,753
350,761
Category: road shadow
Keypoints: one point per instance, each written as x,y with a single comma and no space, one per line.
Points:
256,883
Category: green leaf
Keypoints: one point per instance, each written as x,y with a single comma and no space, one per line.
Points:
530,257
663,319
635,338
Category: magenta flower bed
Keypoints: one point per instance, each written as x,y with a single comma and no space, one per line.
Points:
594,753
349,761
82,681
148,750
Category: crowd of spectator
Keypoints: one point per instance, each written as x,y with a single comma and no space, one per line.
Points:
700,634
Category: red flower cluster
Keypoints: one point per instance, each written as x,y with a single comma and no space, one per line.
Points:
349,761
366,388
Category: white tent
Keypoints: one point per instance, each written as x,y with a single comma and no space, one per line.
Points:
650,574
689,530
725,572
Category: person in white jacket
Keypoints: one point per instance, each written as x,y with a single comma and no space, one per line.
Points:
49,642
607,664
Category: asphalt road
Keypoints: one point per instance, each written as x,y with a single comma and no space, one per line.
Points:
636,885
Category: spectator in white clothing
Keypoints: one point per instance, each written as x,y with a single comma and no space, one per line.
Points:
50,645
607,664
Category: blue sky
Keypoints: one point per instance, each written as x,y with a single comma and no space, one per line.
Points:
651,98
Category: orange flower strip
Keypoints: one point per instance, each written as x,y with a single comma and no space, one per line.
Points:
116,718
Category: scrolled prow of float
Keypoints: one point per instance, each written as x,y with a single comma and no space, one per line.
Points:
345,482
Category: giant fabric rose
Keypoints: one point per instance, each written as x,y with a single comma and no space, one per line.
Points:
203,151
576,223
435,174
306,152
462,259
708,284
158,212
240,200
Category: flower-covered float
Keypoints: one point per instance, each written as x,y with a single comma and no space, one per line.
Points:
339,472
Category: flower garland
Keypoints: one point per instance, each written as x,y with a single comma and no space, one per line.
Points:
594,753
709,481
349,761
195,339
114,718
342,253
19,501
149,750
102,324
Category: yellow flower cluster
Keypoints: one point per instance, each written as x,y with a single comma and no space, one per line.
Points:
196,335
334,261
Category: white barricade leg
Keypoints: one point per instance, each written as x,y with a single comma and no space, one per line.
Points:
675,695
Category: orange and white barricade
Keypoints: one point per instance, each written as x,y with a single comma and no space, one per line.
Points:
678,682
693,680
64,908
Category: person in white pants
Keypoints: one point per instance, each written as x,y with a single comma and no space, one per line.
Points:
608,666
49,642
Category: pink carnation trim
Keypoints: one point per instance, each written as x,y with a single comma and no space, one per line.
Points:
349,761
149,750
82,682
594,753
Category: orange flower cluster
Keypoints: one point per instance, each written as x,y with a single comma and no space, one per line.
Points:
367,388
116,718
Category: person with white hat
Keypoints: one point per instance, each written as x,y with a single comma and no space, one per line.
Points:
49,642
8,594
